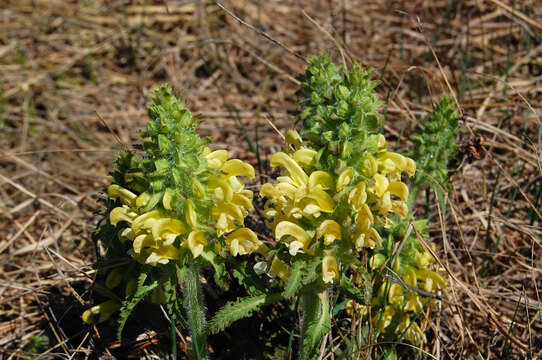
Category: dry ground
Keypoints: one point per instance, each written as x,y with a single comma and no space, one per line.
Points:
75,78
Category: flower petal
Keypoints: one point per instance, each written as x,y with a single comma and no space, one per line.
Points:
143,241
323,199
410,167
330,230
320,180
381,184
357,196
399,160
345,178
279,269
126,196
243,241
268,190
216,159
121,214
292,138
145,221
169,226
285,228
222,190
242,201
330,269
293,168
196,242
236,167
399,189
305,157
190,214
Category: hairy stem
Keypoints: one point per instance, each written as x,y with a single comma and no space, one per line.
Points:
195,311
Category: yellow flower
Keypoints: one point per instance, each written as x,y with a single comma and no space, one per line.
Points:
126,196
190,214
215,159
232,201
330,230
345,178
352,307
196,242
387,317
227,215
244,241
279,269
167,229
121,214
330,269
103,311
298,195
392,165
305,157
295,172
376,261
433,282
296,238
293,138
411,331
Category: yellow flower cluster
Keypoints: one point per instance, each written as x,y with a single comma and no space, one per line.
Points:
154,233
300,207
396,304
374,196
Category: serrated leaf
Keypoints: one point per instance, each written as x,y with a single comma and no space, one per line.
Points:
239,309
129,305
220,275
295,280
316,323
247,278
361,294
311,273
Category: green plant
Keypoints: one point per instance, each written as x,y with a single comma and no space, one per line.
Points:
170,212
340,191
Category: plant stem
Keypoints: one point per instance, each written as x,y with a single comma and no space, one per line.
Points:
195,311
316,322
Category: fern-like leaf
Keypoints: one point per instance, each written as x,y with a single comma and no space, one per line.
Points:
295,280
239,309
316,323
129,305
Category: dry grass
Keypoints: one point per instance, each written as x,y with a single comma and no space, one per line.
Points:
75,78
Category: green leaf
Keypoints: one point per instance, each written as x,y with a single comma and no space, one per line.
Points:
316,323
239,309
295,280
129,305
311,273
361,294
221,275
247,278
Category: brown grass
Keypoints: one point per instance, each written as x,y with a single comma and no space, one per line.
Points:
75,78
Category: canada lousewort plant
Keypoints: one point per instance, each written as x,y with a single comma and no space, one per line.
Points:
341,189
170,212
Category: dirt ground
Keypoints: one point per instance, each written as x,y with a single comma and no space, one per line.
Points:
75,78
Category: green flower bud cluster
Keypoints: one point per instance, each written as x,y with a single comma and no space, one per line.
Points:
436,144
338,109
